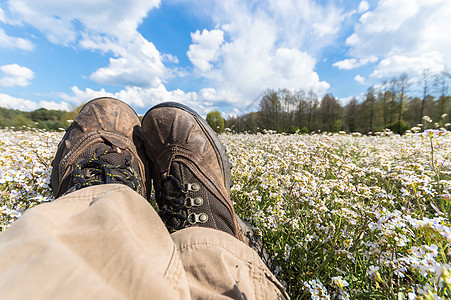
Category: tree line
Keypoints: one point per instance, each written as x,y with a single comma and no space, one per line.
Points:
47,119
386,106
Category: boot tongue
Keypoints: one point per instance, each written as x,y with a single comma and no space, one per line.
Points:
170,188
102,152
118,157
113,158
173,207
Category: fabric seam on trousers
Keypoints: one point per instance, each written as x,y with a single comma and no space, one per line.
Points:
173,271
71,196
252,263
222,247
74,198
257,279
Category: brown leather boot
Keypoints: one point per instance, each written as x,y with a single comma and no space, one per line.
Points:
190,170
100,147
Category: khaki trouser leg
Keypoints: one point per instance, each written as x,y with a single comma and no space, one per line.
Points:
219,266
107,242
101,242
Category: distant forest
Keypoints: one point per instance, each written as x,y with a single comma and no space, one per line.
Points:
388,106
40,118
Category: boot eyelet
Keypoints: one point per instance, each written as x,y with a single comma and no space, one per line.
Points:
190,202
194,187
198,201
203,218
194,218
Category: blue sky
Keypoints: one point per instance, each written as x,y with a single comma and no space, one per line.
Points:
212,54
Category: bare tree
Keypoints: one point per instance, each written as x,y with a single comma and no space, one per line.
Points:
312,105
383,97
369,100
403,82
270,109
426,80
393,91
301,107
441,81
284,96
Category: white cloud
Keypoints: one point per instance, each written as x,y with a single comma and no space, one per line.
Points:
139,64
363,6
2,16
347,64
55,105
17,103
206,100
211,95
62,20
413,65
9,101
167,57
80,96
359,79
352,63
256,47
106,26
308,24
292,68
405,32
7,41
139,97
324,29
15,75
205,49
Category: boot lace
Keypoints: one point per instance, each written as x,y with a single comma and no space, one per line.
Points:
100,172
174,211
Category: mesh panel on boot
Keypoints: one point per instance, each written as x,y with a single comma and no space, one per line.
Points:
110,158
170,188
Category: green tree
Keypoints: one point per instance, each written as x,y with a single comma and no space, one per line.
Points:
351,110
22,121
330,113
216,121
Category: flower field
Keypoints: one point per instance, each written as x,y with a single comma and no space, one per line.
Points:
25,168
343,216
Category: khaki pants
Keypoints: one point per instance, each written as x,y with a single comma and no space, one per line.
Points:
107,242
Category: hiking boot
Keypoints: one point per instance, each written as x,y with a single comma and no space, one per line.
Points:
99,147
190,170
